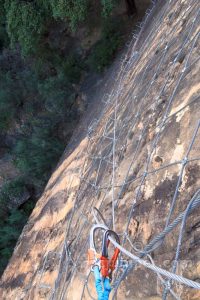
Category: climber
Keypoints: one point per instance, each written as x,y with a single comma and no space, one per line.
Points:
100,264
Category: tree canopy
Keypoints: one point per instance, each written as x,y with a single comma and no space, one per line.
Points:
26,21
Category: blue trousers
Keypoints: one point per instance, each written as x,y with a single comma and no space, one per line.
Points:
103,287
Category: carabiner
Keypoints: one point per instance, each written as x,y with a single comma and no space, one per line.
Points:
92,232
93,256
108,265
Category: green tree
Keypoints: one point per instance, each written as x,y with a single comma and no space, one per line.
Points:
27,21
74,11
38,153
24,24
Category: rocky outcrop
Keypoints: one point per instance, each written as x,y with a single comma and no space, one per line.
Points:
138,161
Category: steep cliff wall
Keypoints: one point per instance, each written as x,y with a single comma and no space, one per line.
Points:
138,162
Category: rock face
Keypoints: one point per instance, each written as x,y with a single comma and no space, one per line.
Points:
138,162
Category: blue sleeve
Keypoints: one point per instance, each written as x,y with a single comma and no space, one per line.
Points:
107,289
98,283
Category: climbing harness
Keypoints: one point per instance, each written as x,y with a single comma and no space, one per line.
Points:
101,264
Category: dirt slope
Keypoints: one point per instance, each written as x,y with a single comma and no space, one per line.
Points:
138,160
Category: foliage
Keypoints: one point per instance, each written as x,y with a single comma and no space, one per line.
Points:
44,6
10,190
28,207
6,112
8,101
72,68
12,220
9,232
24,24
3,33
38,153
39,107
1,10
27,21
17,91
57,94
14,188
108,6
3,37
105,49
74,11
